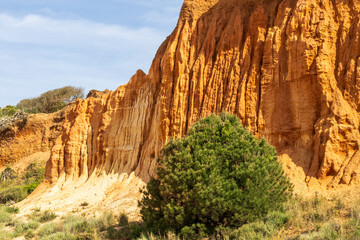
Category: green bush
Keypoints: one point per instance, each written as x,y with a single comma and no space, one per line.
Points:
33,171
8,111
12,194
8,174
49,229
12,210
219,174
59,236
14,188
5,214
47,216
51,101
131,231
20,228
261,229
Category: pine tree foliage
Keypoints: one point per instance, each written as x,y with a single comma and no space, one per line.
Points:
218,176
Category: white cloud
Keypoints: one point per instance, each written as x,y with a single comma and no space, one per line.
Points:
39,53
35,29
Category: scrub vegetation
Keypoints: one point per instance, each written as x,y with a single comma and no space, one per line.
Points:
48,102
14,188
310,218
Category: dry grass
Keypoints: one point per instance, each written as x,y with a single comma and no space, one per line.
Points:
309,218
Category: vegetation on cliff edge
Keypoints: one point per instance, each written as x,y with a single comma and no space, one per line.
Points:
48,102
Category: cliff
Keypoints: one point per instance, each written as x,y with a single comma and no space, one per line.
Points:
290,69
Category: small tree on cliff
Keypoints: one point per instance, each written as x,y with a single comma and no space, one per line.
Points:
218,175
51,101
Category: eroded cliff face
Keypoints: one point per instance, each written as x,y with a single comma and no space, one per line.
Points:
288,68
22,136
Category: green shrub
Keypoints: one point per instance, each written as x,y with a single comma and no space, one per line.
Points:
131,231
14,188
49,229
42,217
12,193
8,174
21,228
261,229
59,236
8,111
328,231
47,216
29,234
5,235
219,174
82,228
256,230
33,171
12,210
31,187
5,215
51,101
151,236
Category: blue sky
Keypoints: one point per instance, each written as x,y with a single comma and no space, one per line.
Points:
48,44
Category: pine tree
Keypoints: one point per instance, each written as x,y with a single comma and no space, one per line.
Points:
218,175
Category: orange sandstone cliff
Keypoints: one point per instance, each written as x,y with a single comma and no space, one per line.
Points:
290,69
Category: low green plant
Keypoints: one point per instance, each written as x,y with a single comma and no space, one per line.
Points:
12,194
5,215
14,188
49,229
89,228
339,204
42,217
131,231
5,235
13,209
22,228
30,234
151,236
328,231
59,236
260,229
8,111
8,174
47,216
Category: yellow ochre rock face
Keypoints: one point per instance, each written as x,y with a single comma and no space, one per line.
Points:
290,69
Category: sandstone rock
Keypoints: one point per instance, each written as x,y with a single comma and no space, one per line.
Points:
23,135
288,68
96,94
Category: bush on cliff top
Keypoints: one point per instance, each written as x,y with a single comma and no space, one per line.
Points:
8,111
219,176
48,102
51,101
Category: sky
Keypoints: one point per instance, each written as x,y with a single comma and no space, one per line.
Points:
49,44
